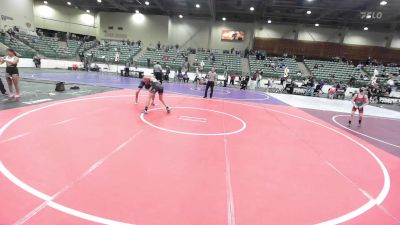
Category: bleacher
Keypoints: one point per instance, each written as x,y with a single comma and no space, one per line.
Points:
19,47
232,61
273,66
172,58
382,70
87,46
51,47
329,71
107,52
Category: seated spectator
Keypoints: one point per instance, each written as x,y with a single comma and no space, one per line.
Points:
185,77
245,82
331,92
352,81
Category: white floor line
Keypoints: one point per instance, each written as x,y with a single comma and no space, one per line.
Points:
228,180
381,197
31,214
62,122
194,118
367,136
93,167
198,121
14,138
364,192
231,208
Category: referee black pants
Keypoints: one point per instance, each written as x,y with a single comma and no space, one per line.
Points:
2,89
210,84
158,76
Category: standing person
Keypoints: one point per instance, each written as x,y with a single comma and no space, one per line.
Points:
202,66
2,89
155,87
233,77
226,76
258,78
12,74
286,72
157,69
167,72
359,101
197,79
212,78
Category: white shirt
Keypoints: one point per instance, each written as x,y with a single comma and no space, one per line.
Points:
376,72
10,60
286,72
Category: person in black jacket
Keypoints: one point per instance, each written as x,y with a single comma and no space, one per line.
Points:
2,89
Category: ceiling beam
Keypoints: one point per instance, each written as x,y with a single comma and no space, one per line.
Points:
116,5
261,9
162,7
212,9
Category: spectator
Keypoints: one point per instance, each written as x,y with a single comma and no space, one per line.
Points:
310,86
148,62
202,66
286,71
352,81
233,77
157,70
245,82
185,77
259,77
331,92
37,61
226,76
2,89
167,72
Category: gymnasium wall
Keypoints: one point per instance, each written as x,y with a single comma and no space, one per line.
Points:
189,32
66,19
206,34
396,41
148,28
354,37
185,32
16,13
320,34
275,31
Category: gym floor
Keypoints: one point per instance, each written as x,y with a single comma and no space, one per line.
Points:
243,157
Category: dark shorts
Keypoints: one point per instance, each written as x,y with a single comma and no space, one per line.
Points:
360,110
11,71
157,88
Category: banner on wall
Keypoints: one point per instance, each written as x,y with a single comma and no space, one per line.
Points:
115,35
232,35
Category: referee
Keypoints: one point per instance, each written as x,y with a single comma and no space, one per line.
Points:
158,72
212,78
